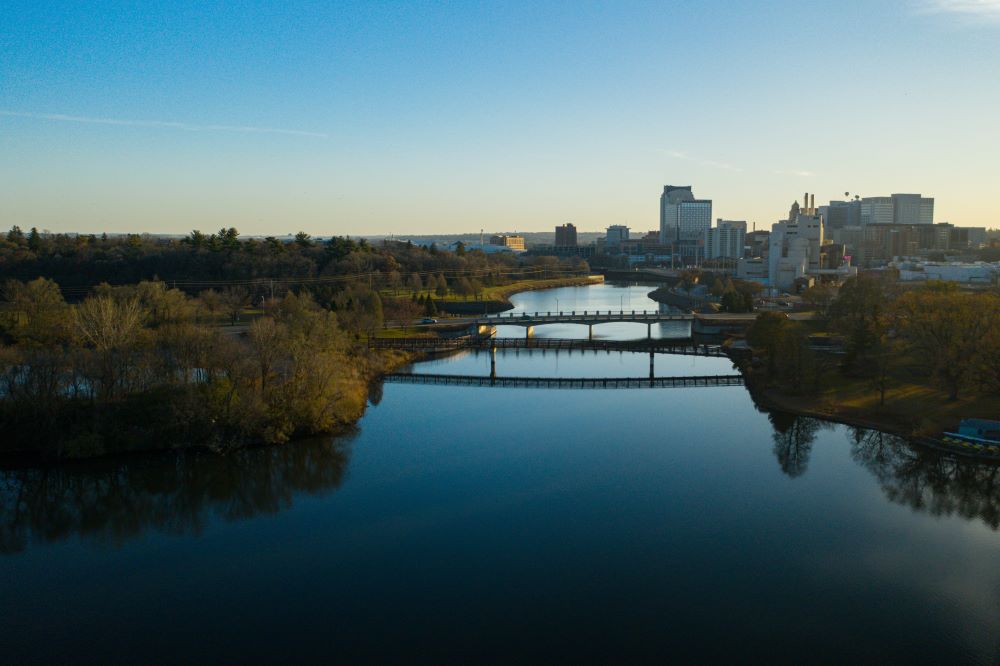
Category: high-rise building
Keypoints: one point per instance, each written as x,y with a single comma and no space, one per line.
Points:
617,234
682,217
912,209
566,235
876,210
758,243
840,214
725,240
896,209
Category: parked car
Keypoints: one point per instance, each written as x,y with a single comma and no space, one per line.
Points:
428,320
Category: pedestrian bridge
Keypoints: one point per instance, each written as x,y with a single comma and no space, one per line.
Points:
567,382
658,346
588,318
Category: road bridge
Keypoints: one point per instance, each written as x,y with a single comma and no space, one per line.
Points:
567,382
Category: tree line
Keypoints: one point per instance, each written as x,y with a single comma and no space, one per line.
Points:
946,336
143,359
148,366
79,262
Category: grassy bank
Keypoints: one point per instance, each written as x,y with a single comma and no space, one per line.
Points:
504,292
498,294
911,408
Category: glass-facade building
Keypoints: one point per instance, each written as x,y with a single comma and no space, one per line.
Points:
682,217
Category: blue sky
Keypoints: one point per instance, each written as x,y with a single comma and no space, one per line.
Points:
392,117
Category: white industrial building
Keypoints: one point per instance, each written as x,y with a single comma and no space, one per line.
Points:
796,249
967,273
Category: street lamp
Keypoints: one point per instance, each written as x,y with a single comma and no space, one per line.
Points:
557,305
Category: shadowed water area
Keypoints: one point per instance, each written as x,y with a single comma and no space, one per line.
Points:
463,524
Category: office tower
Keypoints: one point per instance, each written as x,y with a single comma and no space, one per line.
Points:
566,235
682,217
840,214
617,234
897,209
876,210
725,240
912,209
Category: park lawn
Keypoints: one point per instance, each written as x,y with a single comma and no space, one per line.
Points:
913,405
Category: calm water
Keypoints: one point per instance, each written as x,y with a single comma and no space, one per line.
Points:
510,525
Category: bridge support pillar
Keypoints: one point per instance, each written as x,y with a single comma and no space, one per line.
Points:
590,331
651,372
493,362
649,331
529,332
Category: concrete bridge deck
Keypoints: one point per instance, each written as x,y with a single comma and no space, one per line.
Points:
567,382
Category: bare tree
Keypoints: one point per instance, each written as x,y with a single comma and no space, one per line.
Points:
265,340
234,299
110,327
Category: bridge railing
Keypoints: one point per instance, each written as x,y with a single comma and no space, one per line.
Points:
612,314
657,345
568,382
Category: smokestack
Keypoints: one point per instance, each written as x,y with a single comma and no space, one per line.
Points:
805,203
812,204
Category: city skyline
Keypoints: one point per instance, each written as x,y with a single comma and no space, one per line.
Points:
368,119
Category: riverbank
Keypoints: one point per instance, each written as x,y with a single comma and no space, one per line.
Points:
253,398
670,296
181,418
912,411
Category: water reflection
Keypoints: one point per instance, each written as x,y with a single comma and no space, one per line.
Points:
927,480
114,500
916,476
793,439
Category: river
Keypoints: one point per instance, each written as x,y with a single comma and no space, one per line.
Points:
465,524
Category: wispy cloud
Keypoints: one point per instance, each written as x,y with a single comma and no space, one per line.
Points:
676,154
801,173
971,9
160,124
